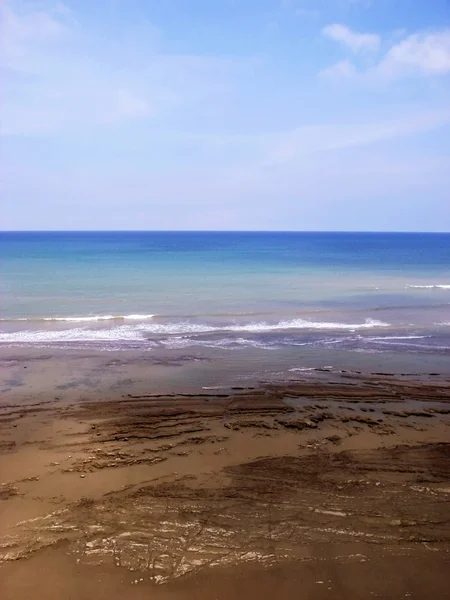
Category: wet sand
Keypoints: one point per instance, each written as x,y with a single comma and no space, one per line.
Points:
334,486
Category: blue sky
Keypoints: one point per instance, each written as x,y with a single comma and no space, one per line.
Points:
226,114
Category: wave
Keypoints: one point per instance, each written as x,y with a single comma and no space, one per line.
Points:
177,343
124,333
437,286
304,324
138,317
87,319
396,337
399,307
142,331
185,327
415,347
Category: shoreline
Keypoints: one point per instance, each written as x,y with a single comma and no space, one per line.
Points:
30,373
181,494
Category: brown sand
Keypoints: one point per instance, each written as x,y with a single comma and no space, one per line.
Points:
334,488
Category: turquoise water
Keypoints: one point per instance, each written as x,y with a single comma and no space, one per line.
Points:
365,291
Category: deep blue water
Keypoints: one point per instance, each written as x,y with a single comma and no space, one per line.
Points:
379,251
228,289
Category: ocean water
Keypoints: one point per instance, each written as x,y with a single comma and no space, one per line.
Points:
364,292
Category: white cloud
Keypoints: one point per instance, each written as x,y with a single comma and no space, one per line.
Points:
422,53
60,77
292,146
285,147
426,53
357,42
399,32
23,31
130,105
307,12
351,3
344,69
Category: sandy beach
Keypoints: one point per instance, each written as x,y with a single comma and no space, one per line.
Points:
335,485
225,300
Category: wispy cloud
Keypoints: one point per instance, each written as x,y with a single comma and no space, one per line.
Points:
130,105
54,84
343,69
426,53
421,53
24,31
317,7
140,117
357,42
305,12
324,138
292,146
354,3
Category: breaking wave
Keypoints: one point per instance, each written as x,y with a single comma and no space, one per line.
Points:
143,331
437,286
86,319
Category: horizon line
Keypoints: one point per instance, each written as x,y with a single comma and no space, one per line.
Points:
377,231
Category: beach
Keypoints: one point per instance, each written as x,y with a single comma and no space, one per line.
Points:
216,415
225,300
333,484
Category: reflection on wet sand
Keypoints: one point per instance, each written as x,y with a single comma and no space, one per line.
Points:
331,487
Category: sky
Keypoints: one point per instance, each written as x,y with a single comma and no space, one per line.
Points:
225,115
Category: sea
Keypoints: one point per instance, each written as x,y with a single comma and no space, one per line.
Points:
232,291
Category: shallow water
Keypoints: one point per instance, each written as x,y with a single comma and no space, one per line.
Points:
357,292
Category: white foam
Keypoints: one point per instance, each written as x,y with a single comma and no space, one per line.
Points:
139,332
125,333
187,327
440,286
99,318
193,328
81,319
397,337
304,324
213,387
85,319
417,346
178,328
177,342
